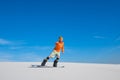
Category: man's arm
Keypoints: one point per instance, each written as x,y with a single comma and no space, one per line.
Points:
63,48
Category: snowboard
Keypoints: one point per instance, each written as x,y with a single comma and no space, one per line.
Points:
39,66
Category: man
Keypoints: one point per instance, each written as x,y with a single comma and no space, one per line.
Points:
59,46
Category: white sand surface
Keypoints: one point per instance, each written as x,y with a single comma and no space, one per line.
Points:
72,71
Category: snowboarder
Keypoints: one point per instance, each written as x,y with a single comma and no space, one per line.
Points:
59,46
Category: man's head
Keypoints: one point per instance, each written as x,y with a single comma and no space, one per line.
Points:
60,39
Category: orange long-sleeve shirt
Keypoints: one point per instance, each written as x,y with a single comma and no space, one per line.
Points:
59,46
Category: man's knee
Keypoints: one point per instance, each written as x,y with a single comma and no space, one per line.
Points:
47,58
57,59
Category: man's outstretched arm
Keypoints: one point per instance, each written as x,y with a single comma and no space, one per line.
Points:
63,48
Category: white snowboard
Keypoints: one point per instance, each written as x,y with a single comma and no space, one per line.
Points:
39,66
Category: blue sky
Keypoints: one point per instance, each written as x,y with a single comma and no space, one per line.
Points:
30,28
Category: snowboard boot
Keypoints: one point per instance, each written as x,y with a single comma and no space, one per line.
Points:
44,61
55,62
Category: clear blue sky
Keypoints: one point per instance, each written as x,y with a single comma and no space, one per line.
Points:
30,28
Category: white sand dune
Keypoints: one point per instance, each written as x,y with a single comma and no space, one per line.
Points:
72,71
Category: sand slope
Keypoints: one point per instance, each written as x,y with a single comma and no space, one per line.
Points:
72,71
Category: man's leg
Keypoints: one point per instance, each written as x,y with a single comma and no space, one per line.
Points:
55,62
57,59
45,61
